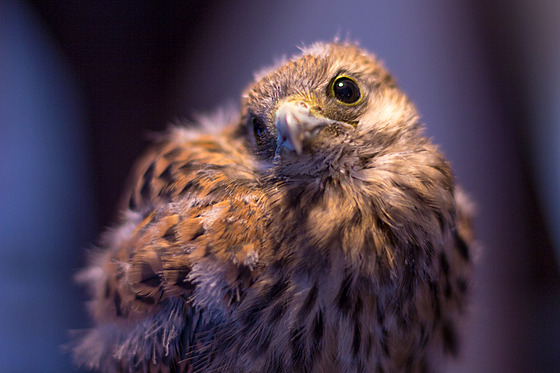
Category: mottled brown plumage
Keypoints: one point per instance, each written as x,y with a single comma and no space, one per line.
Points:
317,231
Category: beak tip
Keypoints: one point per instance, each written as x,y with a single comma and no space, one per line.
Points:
293,119
290,144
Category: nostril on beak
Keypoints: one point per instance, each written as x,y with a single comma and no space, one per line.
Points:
305,105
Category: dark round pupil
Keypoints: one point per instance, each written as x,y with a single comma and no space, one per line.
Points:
346,90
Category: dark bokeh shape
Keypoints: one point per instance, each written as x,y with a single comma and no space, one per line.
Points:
140,64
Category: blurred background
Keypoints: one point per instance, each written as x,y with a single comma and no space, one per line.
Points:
84,83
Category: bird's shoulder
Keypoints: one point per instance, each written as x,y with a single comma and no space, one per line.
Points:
188,162
193,201
190,238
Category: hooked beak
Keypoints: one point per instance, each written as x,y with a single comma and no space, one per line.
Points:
296,123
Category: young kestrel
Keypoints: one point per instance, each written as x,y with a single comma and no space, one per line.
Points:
316,231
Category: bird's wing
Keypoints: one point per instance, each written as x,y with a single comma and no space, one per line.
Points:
196,195
188,244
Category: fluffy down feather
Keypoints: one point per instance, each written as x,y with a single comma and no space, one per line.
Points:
334,241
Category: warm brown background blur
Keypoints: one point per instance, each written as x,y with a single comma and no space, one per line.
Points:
83,83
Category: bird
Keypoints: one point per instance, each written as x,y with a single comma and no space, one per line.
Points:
313,229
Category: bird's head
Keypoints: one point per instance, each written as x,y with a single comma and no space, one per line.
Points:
331,108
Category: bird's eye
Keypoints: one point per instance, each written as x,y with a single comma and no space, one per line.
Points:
346,90
259,130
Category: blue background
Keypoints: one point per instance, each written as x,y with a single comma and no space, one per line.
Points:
82,84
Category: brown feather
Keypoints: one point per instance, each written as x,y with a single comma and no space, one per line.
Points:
238,253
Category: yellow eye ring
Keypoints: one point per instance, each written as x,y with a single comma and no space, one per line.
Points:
346,90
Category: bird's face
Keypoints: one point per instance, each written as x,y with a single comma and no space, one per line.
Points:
331,107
